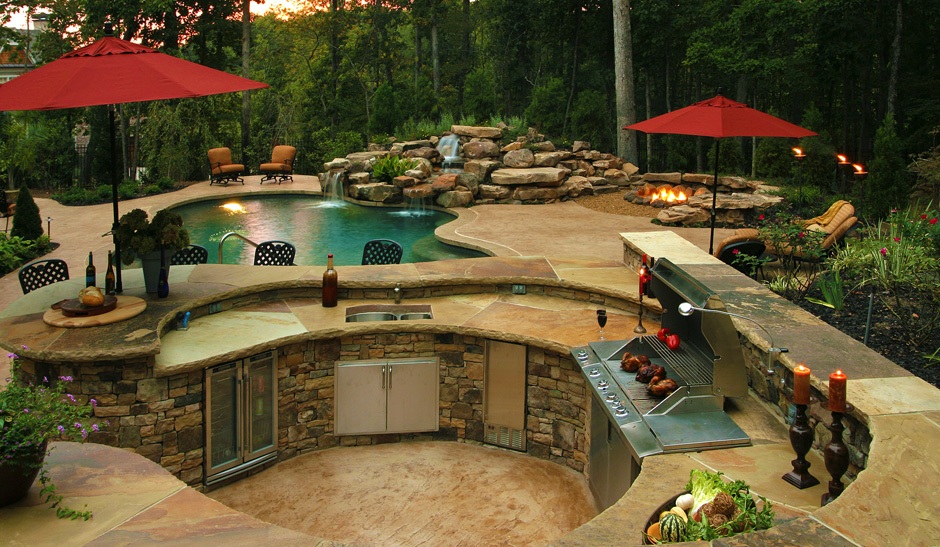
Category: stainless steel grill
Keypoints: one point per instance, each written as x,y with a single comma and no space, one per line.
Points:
708,366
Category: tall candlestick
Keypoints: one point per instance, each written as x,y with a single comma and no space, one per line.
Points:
837,382
801,385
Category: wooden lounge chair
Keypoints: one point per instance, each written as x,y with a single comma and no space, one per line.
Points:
281,166
222,170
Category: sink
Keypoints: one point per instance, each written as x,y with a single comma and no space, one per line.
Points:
388,312
370,316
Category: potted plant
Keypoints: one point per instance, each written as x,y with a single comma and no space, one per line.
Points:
146,239
32,415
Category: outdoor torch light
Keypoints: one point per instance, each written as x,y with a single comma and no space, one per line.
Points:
860,172
686,309
798,154
49,226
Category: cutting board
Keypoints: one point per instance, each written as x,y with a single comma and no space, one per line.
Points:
75,308
125,308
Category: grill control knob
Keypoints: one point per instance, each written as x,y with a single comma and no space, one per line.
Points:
621,411
611,396
594,373
603,384
582,355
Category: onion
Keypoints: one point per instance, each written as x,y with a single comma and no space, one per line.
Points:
684,502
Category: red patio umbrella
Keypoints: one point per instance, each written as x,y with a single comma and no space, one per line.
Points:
720,117
114,71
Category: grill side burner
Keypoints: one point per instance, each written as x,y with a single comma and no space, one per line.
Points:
708,366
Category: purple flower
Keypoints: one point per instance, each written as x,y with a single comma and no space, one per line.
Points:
61,428
93,402
26,410
884,251
94,427
65,378
70,396
78,425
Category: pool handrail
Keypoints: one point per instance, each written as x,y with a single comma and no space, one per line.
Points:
239,236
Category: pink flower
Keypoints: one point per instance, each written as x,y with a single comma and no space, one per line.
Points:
800,235
735,251
933,221
760,217
884,251
923,217
897,240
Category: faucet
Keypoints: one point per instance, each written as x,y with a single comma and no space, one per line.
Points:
397,291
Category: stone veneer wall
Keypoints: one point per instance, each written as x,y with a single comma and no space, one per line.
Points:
162,418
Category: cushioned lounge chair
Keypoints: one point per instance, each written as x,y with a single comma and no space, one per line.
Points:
222,170
281,166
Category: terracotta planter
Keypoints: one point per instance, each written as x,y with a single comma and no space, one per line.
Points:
18,479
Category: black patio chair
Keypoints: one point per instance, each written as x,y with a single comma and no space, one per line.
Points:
41,273
729,252
381,251
275,253
194,254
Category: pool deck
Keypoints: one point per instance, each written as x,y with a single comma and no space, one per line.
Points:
889,502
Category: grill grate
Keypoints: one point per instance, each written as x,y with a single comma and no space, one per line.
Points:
683,363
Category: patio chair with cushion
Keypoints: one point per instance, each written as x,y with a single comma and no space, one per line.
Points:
41,273
381,251
193,254
222,170
281,166
275,253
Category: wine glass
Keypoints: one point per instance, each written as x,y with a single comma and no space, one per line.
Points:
601,322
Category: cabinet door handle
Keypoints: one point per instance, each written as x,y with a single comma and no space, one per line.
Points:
384,377
389,376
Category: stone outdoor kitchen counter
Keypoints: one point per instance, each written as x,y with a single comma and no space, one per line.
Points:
264,307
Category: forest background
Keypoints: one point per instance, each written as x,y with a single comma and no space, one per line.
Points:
862,73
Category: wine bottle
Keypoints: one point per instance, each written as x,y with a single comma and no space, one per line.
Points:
163,284
90,272
109,280
330,284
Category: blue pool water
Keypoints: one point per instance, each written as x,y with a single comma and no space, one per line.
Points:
316,227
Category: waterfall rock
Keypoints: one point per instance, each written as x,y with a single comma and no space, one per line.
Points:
578,146
360,178
336,163
376,191
549,159
469,181
444,183
521,157
544,146
412,145
492,191
405,181
545,176
473,131
425,152
481,168
515,145
609,163
579,186
419,191
526,193
455,198
480,149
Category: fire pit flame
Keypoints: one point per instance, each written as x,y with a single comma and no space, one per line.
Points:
669,196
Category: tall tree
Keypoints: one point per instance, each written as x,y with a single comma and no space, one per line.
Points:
624,83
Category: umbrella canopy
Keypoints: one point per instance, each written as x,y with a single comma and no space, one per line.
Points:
720,117
114,71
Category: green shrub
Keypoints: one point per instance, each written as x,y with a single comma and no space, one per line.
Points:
387,168
385,113
888,184
774,158
16,251
27,223
546,110
480,92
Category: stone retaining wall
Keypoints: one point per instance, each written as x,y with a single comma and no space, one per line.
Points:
163,418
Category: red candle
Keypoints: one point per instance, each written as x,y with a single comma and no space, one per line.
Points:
837,391
801,384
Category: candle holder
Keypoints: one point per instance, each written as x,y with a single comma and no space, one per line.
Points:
801,439
640,329
837,456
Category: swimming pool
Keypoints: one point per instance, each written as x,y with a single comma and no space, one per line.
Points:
316,227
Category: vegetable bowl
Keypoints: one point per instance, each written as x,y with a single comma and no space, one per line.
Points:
710,508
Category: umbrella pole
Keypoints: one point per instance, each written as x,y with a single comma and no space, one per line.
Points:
711,237
118,286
